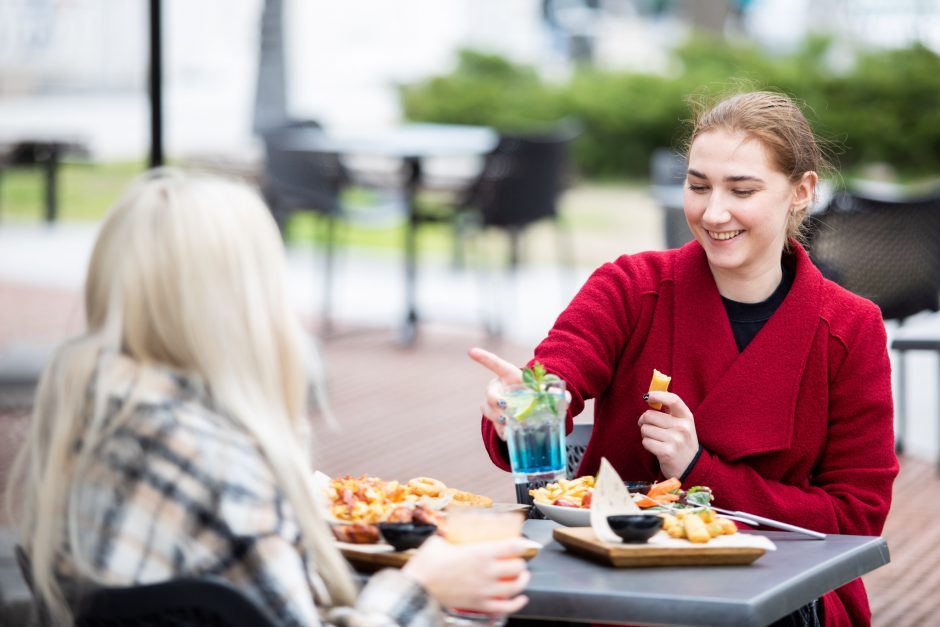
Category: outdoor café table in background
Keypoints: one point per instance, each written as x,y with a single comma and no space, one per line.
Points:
411,144
46,152
568,587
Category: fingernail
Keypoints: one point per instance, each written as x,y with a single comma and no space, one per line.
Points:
646,396
501,403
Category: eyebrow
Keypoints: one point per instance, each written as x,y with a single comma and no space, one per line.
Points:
728,179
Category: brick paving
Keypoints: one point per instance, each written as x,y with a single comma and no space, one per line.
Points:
408,412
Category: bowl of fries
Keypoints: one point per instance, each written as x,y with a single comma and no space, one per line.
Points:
567,501
567,516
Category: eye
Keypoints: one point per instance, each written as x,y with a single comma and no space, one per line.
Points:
698,189
743,193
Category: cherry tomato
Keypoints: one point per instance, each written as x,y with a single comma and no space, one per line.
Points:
586,499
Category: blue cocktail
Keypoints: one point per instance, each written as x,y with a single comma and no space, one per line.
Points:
535,431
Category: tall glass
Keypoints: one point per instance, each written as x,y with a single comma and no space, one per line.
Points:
465,525
535,431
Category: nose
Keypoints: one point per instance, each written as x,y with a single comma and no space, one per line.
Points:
715,213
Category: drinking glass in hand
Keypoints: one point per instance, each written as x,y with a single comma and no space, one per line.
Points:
465,525
535,430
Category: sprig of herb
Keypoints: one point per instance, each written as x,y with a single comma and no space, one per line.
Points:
699,495
537,379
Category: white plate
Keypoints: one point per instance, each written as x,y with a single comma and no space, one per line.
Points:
567,516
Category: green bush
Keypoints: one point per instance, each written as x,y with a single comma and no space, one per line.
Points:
884,109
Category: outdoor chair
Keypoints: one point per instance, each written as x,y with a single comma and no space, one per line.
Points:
520,183
183,602
885,250
667,180
575,444
305,181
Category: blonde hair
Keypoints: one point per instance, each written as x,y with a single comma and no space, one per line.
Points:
183,267
778,124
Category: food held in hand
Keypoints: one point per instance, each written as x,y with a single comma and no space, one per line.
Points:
659,383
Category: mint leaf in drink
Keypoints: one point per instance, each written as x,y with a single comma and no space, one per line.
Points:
536,379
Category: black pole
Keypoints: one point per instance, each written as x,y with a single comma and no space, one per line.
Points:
156,85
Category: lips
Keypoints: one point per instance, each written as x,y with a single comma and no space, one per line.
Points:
722,236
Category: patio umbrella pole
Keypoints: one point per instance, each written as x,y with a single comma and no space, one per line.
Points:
156,85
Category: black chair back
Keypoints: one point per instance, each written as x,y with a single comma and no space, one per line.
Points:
886,251
522,179
184,602
301,180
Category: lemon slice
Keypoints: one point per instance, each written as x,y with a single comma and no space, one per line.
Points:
522,415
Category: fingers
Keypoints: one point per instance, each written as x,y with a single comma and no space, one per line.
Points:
499,420
672,404
507,372
504,606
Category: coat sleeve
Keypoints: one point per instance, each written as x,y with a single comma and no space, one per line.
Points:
585,342
850,490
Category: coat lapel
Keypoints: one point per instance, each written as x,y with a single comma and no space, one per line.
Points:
745,402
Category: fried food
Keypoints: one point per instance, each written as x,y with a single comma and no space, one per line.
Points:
573,491
659,383
370,500
426,486
356,533
460,497
366,499
697,525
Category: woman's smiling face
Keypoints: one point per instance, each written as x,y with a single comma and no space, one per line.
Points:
737,203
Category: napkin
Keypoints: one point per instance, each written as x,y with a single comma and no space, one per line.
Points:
610,497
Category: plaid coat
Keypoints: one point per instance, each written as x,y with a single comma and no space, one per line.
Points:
178,489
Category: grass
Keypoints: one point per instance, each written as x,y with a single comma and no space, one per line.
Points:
85,190
604,219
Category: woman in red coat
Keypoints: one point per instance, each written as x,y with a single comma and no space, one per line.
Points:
781,385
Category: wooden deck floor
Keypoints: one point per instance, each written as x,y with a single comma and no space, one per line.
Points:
409,412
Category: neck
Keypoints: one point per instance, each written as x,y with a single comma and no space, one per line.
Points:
752,287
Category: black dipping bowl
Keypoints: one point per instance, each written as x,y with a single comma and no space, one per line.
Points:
635,527
404,536
640,487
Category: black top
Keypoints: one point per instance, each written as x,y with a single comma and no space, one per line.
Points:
749,318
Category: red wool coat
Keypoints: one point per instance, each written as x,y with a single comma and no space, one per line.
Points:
797,427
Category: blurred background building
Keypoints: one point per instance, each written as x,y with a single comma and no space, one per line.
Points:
80,66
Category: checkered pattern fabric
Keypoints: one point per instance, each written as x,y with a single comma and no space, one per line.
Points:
178,489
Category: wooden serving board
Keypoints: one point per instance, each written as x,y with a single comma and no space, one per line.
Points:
583,541
369,560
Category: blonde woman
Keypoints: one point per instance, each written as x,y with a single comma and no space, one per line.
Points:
165,440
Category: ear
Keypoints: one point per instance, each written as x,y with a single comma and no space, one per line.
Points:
805,191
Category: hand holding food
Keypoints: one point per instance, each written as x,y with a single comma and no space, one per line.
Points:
669,431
